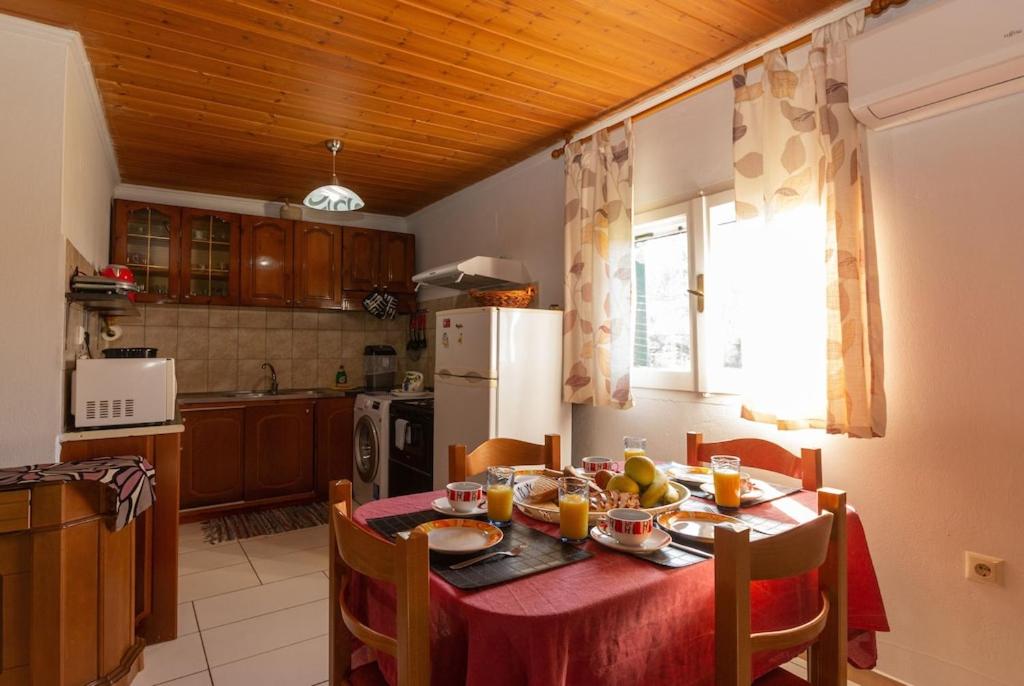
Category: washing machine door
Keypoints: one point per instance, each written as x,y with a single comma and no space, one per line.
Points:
367,452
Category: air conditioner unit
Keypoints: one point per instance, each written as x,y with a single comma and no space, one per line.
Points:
949,55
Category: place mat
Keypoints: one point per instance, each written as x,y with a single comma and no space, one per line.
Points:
771,492
760,525
673,557
542,552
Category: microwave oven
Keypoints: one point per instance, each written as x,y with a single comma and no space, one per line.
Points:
123,391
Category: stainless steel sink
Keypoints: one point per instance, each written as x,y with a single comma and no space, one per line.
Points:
283,393
247,394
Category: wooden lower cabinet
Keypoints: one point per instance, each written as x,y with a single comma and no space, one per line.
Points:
68,611
212,463
334,420
278,449
266,453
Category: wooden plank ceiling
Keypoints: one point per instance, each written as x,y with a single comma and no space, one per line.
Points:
237,96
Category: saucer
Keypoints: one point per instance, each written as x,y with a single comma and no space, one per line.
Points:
753,494
441,505
656,541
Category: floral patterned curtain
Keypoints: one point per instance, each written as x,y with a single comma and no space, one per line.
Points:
597,346
798,172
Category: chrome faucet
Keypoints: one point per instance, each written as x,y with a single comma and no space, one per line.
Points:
273,377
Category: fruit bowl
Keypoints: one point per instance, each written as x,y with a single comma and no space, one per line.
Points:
548,512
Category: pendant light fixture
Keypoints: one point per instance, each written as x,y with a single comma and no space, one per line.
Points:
333,197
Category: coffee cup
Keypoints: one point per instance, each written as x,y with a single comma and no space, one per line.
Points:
629,526
413,382
594,464
463,496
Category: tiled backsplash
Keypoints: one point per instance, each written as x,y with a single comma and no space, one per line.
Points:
222,348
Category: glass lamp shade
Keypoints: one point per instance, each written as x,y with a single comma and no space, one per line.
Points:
333,198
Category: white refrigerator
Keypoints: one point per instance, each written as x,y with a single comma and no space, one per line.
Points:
498,373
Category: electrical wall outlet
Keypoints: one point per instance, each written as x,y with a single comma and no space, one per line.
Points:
984,569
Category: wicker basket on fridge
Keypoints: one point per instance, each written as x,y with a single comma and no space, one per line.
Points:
515,298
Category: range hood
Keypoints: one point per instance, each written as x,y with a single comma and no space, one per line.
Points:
475,272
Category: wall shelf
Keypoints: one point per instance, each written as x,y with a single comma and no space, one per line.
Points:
107,304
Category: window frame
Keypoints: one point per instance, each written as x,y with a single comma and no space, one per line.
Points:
652,377
702,377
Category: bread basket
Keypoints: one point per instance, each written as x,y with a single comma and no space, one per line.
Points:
515,298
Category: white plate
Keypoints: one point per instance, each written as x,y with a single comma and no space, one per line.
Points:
693,524
441,505
753,494
460,536
656,541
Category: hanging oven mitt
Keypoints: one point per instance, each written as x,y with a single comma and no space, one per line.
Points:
375,304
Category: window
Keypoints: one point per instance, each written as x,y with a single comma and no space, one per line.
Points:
682,340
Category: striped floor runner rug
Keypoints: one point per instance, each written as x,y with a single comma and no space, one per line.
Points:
262,522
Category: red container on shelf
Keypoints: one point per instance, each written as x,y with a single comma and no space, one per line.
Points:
121,273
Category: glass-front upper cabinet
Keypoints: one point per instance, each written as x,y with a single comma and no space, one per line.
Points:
209,257
146,239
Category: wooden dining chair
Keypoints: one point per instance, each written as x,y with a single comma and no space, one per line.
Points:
503,452
759,454
819,544
403,563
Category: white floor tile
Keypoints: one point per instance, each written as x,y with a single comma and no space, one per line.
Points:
265,633
259,600
186,619
200,679
293,564
171,659
216,581
290,541
210,557
296,665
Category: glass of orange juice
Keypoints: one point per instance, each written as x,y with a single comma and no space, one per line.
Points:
499,495
573,509
633,446
726,472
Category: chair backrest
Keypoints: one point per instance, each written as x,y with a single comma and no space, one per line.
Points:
503,452
760,454
818,544
404,563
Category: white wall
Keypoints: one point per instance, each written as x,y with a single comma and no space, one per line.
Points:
949,474
89,169
56,176
516,213
32,261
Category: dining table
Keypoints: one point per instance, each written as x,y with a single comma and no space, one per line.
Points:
612,619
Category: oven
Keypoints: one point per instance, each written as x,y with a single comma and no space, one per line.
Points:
411,450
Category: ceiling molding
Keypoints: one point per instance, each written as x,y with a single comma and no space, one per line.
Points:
260,208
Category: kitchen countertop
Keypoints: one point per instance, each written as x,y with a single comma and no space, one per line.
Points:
262,396
121,432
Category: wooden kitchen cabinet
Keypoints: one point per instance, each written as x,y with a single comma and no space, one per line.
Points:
266,264
397,262
278,449
334,420
146,238
212,465
209,257
361,259
317,265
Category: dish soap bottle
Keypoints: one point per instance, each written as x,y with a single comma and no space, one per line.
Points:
341,377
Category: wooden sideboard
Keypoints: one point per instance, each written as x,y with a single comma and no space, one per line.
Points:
66,589
156,589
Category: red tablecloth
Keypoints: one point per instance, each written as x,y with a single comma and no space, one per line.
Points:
610,620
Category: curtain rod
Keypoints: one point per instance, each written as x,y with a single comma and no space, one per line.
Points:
876,8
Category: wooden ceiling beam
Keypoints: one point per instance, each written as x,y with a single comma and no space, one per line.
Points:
122,67
154,18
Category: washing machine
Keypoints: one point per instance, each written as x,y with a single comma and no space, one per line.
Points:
370,447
